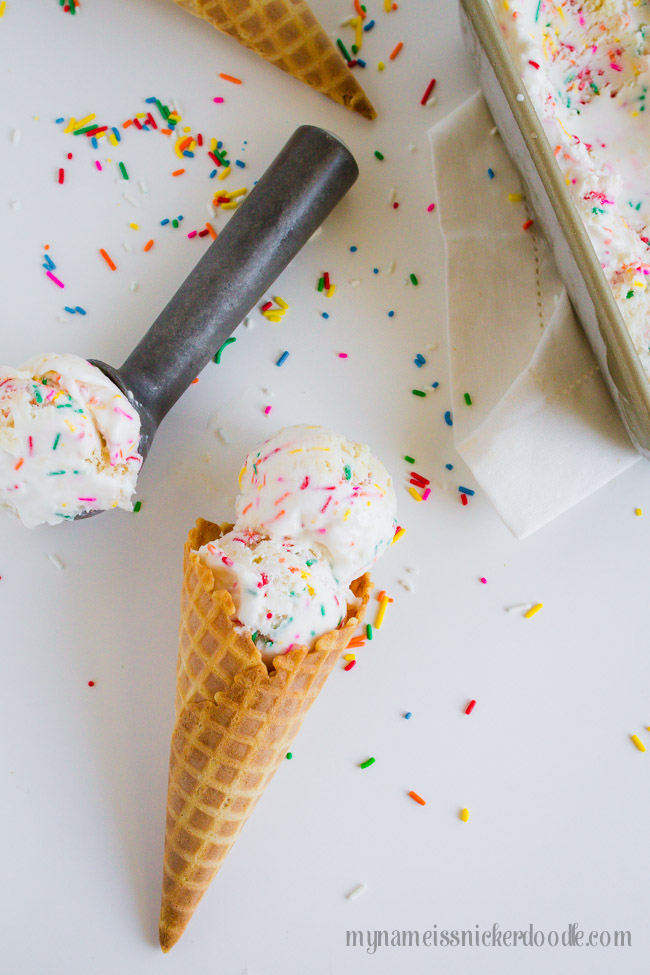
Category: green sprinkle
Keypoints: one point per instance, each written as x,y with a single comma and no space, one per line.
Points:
355,49
289,755
54,473
254,636
413,278
347,472
174,223
630,294
87,128
310,561
123,171
229,341
379,154
409,460
368,631
137,506
368,762
56,441
537,11
321,284
467,398
322,609
343,49
418,392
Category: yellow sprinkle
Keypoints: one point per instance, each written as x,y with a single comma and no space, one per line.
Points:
100,135
241,473
347,514
233,194
349,656
534,609
140,114
230,206
637,741
515,197
638,512
296,450
331,290
71,124
464,815
84,121
70,426
112,139
358,40
312,592
213,144
387,6
134,226
414,494
281,302
398,535
3,7
381,612
223,173
187,128
381,66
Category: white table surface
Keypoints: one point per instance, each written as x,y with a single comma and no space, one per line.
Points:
558,795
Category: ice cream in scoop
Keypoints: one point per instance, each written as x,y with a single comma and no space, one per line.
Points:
68,441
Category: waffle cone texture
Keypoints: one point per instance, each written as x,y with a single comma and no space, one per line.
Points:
286,33
235,721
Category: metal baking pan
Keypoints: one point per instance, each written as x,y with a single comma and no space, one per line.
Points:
556,213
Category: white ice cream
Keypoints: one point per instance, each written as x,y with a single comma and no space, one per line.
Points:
306,482
68,441
284,592
586,65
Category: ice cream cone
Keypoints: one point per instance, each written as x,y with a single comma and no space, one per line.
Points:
286,33
234,724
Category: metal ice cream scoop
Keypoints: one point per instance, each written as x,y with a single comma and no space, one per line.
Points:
302,185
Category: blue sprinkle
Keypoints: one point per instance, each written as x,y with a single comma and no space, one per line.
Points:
94,142
59,120
219,144
419,360
145,127
238,162
491,173
464,490
186,152
82,311
163,223
49,262
375,270
179,217
117,134
69,310
435,385
213,174
390,314
409,714
449,467
283,358
361,63
152,100
353,249
448,419
369,25
326,314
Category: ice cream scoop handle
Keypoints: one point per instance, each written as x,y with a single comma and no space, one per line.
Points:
302,185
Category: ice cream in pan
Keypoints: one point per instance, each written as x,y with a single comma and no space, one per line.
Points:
74,432
268,605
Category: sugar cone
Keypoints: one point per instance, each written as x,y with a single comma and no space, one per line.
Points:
234,724
286,33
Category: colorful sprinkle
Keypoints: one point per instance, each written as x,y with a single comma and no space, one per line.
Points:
283,358
368,762
533,610
637,741
470,707
417,798
464,815
228,342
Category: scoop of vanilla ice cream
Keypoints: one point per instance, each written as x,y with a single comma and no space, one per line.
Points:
309,483
283,590
68,440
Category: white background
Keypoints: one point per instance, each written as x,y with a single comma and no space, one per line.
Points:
558,795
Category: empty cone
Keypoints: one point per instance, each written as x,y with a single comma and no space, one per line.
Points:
286,33
235,721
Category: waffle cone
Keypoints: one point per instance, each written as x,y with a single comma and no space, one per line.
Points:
286,33
234,724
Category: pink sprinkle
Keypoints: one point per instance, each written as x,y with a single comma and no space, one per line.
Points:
98,164
52,277
226,560
219,101
483,580
267,410
426,494
192,233
31,445
90,500
305,483
118,410
431,207
616,67
343,355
